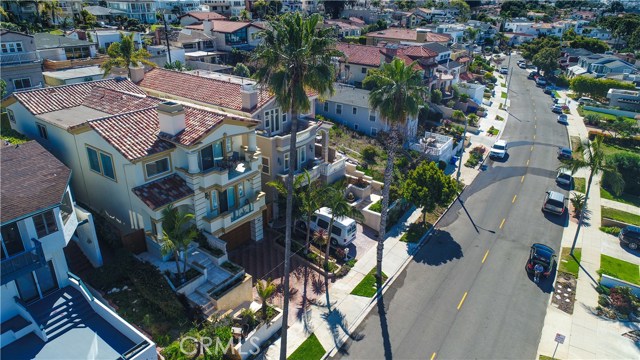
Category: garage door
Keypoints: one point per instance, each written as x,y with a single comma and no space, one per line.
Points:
238,236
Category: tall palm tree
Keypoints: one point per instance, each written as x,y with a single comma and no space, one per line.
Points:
295,55
595,162
52,6
123,53
265,290
397,93
178,233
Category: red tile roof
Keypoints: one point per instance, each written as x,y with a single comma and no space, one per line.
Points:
33,180
361,54
116,102
419,52
206,90
463,59
46,100
205,15
408,35
163,191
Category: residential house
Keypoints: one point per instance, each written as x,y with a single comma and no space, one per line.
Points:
406,36
597,33
142,10
241,96
230,35
73,75
47,312
310,6
172,9
569,57
436,15
106,37
219,6
344,28
368,15
357,61
624,99
350,106
68,9
422,57
104,14
21,64
160,56
197,17
456,31
60,48
22,10
599,65
291,5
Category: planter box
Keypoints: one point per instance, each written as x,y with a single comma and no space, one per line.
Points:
252,343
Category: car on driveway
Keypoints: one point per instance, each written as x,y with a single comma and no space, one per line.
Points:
564,153
543,255
564,177
630,236
499,149
563,119
554,202
343,232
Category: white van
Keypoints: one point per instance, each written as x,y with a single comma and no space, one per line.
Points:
343,232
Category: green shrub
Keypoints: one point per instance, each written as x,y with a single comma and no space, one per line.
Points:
613,230
376,207
369,154
628,165
442,165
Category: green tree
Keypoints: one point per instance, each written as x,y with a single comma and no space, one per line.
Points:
436,96
597,88
628,165
51,7
259,8
178,233
397,93
88,18
241,70
295,55
624,127
577,200
595,162
593,45
428,187
123,54
245,15
265,290
616,7
464,10
457,115
569,35
547,60
513,9
3,88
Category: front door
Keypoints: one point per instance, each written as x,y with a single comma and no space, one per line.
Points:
224,207
37,284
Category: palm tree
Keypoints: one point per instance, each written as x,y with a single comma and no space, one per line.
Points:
295,55
244,15
52,6
595,162
178,233
265,290
397,93
123,53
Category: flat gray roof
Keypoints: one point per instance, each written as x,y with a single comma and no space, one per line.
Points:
351,96
74,73
69,117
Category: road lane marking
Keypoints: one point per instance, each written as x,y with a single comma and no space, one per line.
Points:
522,179
527,162
535,126
502,223
534,137
485,256
433,356
514,198
531,147
461,301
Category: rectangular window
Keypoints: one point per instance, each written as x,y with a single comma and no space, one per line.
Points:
363,70
237,38
101,162
338,108
284,118
265,165
11,240
11,116
214,199
374,132
355,127
355,110
42,130
11,47
45,224
240,190
325,106
23,83
372,118
286,161
66,208
157,167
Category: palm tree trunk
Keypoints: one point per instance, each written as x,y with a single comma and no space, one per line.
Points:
326,262
176,256
308,238
584,208
288,222
388,175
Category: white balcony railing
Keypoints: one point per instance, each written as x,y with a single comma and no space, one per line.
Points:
19,58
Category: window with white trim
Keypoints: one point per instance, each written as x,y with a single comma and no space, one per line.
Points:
265,165
157,167
45,223
286,161
355,111
23,83
240,190
42,130
12,47
363,70
338,108
284,118
101,163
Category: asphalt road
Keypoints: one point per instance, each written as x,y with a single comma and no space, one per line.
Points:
466,293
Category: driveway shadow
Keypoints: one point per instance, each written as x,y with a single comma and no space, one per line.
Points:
441,249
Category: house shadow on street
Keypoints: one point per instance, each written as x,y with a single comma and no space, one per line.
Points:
441,249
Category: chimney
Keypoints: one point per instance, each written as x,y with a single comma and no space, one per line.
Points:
207,27
171,117
249,96
421,35
137,73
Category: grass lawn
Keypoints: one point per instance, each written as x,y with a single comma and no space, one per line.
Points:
602,115
367,287
311,349
567,263
579,184
415,231
575,144
56,32
613,149
545,357
621,216
623,198
10,135
504,95
620,269
493,131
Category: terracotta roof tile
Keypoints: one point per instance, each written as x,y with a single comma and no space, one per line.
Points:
408,35
205,15
163,191
223,26
32,180
361,54
50,99
116,102
206,90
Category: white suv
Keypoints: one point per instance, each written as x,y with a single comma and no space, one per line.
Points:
499,149
343,232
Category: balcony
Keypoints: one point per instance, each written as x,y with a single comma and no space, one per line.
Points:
220,223
313,168
19,58
226,170
306,130
22,263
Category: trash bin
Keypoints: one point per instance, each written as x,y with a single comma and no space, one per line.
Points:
454,160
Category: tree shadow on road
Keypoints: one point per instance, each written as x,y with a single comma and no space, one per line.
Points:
441,249
336,321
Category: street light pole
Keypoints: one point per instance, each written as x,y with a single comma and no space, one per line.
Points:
464,136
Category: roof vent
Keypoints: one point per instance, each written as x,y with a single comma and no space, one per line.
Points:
171,117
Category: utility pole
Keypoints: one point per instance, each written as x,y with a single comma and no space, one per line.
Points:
166,36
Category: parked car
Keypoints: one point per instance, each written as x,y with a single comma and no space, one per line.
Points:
548,90
585,100
343,232
563,119
522,65
564,153
564,177
554,202
541,81
532,75
543,255
522,61
499,149
557,109
504,70
630,236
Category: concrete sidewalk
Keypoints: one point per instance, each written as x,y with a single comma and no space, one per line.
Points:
587,335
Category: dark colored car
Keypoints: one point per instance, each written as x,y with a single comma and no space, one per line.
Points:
532,75
630,236
564,153
548,90
543,255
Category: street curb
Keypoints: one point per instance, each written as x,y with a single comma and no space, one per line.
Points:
389,281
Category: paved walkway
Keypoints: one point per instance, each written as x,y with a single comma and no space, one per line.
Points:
588,336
